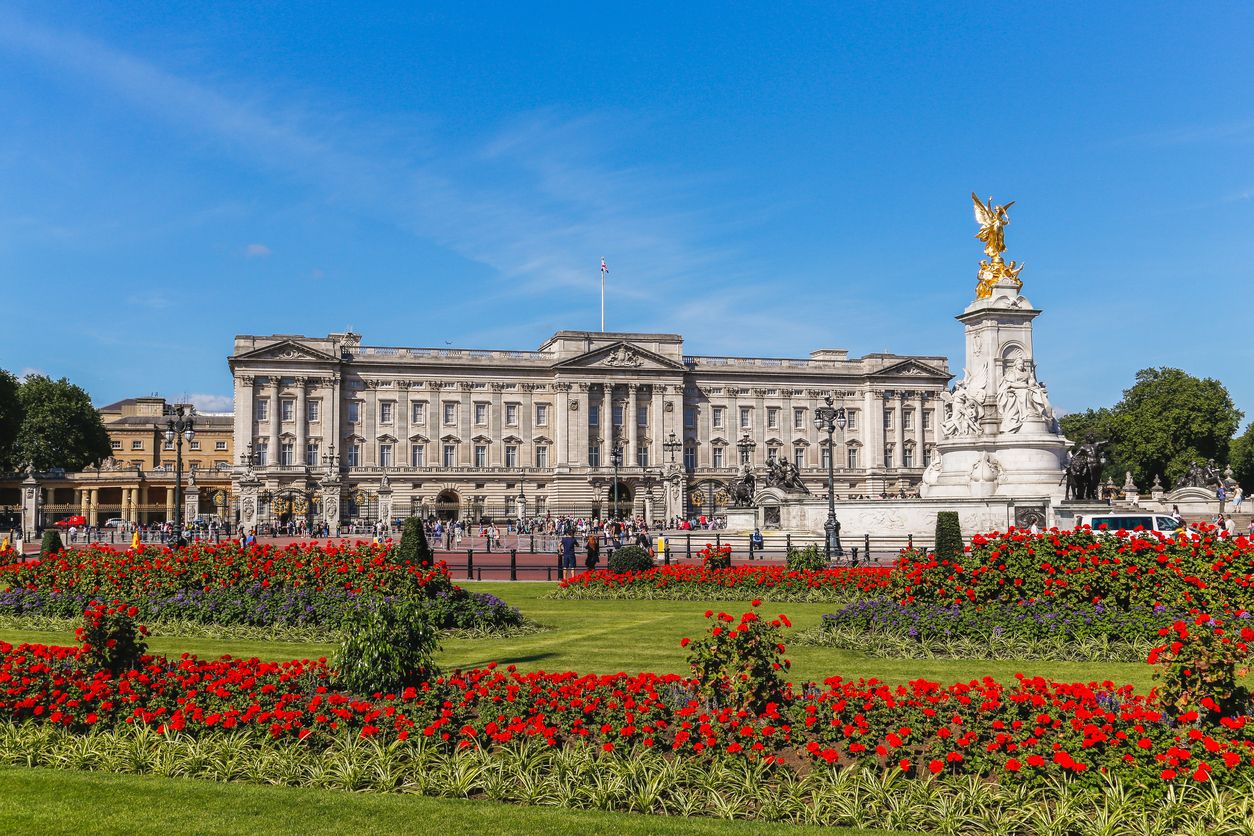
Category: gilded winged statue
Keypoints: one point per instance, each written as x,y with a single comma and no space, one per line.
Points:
992,220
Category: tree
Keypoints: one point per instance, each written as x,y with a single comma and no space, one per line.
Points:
948,535
1241,457
60,427
1169,418
10,419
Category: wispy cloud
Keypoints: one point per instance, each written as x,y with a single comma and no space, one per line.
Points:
256,251
210,403
1239,131
533,200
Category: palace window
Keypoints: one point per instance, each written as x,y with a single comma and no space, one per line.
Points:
825,457
542,456
851,458
354,412
927,419
799,457
385,455
481,455
511,415
115,444
219,445
311,411
642,415
137,444
851,419
287,409
907,457
888,455
450,455
594,414
311,453
888,419
799,417
193,445
450,414
690,416
167,445
481,414
354,454
287,454
772,417
718,456
772,453
746,417
263,409
262,450
594,454
717,413
418,412
618,414
511,455
542,415
418,455
690,459
386,408
907,419
642,456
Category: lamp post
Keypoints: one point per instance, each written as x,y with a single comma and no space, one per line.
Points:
616,459
181,426
746,446
827,419
330,459
672,445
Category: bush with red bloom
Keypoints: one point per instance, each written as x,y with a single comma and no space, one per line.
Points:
1200,663
716,557
740,665
111,639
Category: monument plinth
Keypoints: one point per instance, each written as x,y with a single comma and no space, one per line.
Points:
1000,437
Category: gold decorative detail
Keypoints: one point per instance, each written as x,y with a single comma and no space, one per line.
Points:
994,272
280,506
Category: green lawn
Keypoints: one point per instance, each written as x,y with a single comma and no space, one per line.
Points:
632,636
47,801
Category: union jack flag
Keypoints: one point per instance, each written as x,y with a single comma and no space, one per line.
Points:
604,269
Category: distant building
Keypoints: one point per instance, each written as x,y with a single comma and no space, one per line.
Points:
137,483
340,430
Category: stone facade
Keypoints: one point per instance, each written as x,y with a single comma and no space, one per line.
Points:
330,429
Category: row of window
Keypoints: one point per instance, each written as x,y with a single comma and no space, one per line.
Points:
907,419
138,444
387,412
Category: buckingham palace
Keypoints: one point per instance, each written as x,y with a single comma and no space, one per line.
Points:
330,429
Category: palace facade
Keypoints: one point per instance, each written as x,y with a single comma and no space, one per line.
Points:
330,429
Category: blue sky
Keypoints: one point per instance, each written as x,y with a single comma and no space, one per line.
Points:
762,178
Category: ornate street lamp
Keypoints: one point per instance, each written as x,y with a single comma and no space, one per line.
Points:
616,459
181,426
330,459
827,419
746,446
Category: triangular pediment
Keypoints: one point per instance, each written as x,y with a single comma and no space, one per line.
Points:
912,368
620,356
287,350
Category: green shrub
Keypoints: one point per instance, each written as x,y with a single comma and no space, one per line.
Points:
740,666
948,535
110,638
386,647
716,557
630,559
51,543
414,549
811,558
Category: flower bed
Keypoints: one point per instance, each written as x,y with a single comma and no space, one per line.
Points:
297,586
739,583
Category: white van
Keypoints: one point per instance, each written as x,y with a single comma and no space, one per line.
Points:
1146,521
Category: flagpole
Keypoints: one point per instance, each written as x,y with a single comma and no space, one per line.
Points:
603,296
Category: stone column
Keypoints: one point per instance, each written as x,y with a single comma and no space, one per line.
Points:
657,428
467,426
301,423
32,499
82,503
275,415
561,426
632,428
401,456
435,423
607,422
527,427
93,517
580,418
245,413
759,431
496,427
169,502
142,510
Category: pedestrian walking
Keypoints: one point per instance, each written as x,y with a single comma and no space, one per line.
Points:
593,548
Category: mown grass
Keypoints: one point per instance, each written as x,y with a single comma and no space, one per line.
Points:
49,801
611,636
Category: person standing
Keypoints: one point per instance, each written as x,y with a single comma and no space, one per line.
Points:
1238,496
566,548
593,548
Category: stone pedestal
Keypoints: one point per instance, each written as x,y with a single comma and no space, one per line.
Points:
999,434
32,499
248,490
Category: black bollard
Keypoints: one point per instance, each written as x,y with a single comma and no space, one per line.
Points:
470,565
513,564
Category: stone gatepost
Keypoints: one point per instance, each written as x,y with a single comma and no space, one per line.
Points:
32,502
331,495
191,501
249,488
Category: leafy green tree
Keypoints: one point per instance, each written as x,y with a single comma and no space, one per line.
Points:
60,427
10,419
1241,457
414,549
1169,418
